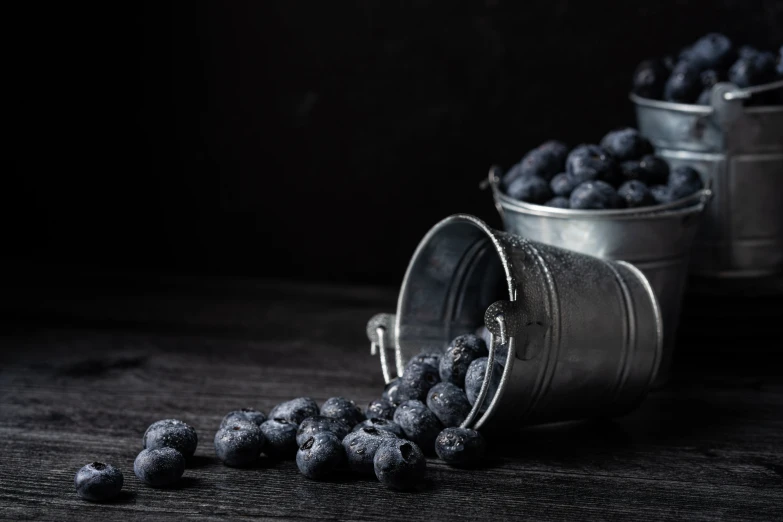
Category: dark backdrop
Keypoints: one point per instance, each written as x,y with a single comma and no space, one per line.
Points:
314,140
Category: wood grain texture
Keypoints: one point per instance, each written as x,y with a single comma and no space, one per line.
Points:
709,447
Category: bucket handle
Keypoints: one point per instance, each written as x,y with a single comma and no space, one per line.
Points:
748,92
380,332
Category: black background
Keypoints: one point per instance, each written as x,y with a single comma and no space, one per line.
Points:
305,140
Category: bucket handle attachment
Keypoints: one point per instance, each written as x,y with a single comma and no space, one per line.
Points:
380,332
748,92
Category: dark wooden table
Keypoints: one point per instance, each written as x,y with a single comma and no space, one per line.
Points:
84,369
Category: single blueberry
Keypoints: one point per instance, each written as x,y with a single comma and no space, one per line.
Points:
171,433
655,170
684,181
461,352
544,161
475,378
558,202
562,185
501,350
318,424
380,409
595,195
661,194
159,467
684,84
713,51
416,381
381,424
511,175
399,464
418,423
530,189
649,79
360,447
449,404
626,144
431,358
249,414
343,409
295,410
98,482
460,447
591,162
635,194
391,392
280,436
238,444
757,69
320,456
710,77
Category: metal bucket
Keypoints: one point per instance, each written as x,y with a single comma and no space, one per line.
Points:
657,241
740,150
584,335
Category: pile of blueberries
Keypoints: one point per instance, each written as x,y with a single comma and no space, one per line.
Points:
713,58
621,172
418,415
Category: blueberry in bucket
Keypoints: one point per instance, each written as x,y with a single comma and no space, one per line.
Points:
562,185
655,170
595,195
544,161
635,194
661,194
461,352
530,189
591,162
684,181
713,51
626,144
558,202
649,79
684,84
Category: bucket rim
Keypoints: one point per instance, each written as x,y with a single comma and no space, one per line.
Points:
692,108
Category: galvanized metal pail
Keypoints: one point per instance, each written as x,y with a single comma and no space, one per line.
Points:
584,334
741,151
657,241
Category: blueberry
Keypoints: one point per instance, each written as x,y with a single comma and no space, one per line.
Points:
684,84
418,423
655,170
710,77
649,79
360,447
511,175
280,436
757,69
626,144
684,181
98,482
589,163
595,195
460,447
461,352
380,409
713,51
295,410
431,358
381,424
391,392
318,424
249,414
635,194
531,189
558,202
171,433
343,409
475,378
399,464
747,51
159,467
320,456
562,185
238,444
544,161
661,194
416,381
449,404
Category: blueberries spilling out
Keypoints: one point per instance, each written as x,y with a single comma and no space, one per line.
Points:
621,172
711,59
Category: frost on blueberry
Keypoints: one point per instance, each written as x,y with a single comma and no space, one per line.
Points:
449,404
416,381
418,423
399,464
249,414
381,424
295,410
380,409
342,409
280,436
460,447
320,456
360,447
98,482
171,433
318,424
238,444
159,467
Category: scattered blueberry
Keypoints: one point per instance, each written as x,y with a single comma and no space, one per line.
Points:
475,378
461,352
684,181
380,409
98,482
531,189
684,84
661,194
399,464
238,444
558,202
460,447
595,195
431,358
320,456
655,169
343,409
381,424
419,423
391,392
626,144
562,185
713,51
249,414
360,447
416,381
591,162
635,194
449,404
295,410
280,436
319,424
649,79
159,467
171,433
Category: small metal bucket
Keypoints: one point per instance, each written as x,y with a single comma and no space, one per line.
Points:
740,150
584,335
657,241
